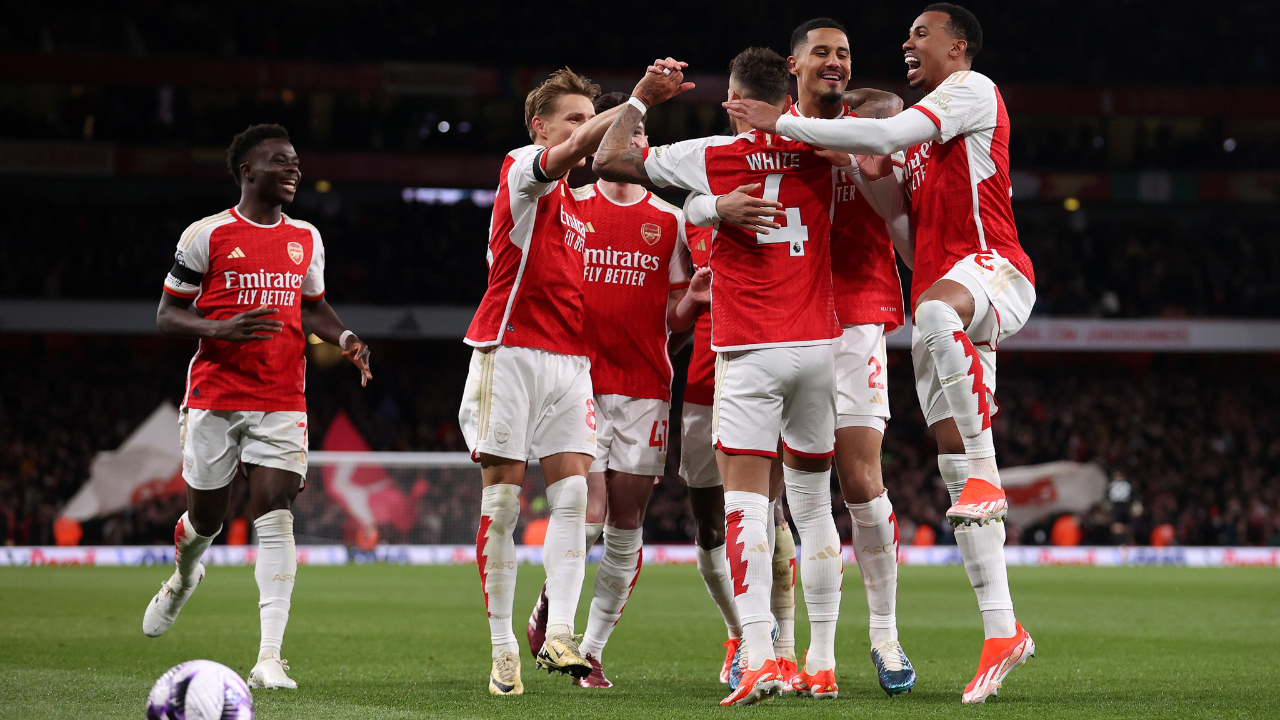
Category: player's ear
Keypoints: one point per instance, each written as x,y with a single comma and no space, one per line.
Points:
539,127
958,47
791,65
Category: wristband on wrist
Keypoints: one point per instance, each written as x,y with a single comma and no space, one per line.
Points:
638,104
342,339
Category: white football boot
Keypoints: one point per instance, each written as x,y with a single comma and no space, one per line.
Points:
167,603
269,673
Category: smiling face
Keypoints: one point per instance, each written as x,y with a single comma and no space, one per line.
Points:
821,65
270,170
931,52
568,113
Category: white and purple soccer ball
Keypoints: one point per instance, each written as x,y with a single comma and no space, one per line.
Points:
200,690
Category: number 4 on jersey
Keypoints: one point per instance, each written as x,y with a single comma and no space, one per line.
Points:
793,232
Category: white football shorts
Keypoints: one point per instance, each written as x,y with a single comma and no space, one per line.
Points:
767,392
215,442
631,434
524,403
697,448
1003,298
862,396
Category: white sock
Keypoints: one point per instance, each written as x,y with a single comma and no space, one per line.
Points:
875,541
615,578
782,600
961,373
593,534
496,559
715,575
189,548
750,563
982,548
821,565
275,571
954,470
564,554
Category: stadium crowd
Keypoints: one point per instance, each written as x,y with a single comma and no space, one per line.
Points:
1197,437
1103,260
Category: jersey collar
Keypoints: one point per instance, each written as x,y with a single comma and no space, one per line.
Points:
845,111
245,219
605,195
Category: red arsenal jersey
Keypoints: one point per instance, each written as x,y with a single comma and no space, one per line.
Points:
536,238
229,265
700,383
864,270
635,256
766,290
959,187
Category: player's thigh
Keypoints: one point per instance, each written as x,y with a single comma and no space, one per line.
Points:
809,408
605,407
628,497
566,421
210,447
639,442
862,383
747,415
276,440
499,401
1003,296
697,448
271,489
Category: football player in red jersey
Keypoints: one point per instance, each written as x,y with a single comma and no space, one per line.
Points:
528,392
245,282
638,291
972,286
868,296
773,325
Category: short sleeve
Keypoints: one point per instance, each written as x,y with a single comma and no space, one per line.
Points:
190,261
313,283
964,103
679,266
683,164
527,175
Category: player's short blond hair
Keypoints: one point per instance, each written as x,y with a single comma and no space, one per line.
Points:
542,99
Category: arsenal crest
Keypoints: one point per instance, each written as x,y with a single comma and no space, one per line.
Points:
295,253
651,232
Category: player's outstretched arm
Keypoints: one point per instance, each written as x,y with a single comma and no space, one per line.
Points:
861,136
616,160
174,317
872,103
320,318
564,157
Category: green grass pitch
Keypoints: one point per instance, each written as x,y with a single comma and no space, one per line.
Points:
412,642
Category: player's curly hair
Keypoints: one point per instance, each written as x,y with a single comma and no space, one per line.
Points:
962,26
249,139
542,99
760,74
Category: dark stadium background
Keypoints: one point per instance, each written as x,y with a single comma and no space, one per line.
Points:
1151,138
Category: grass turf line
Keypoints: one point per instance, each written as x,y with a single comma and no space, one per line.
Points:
381,641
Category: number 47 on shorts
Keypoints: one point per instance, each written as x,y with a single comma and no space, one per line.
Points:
658,435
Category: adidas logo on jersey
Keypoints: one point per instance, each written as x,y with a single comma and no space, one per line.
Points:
237,253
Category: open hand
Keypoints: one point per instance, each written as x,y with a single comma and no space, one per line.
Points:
747,211
756,113
874,167
358,353
250,325
663,80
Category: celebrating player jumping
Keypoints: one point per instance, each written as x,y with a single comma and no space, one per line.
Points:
245,282
972,286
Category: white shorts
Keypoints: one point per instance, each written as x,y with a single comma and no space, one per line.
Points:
215,442
764,393
1002,299
697,448
524,403
862,397
631,435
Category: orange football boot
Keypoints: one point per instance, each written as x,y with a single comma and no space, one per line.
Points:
999,657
